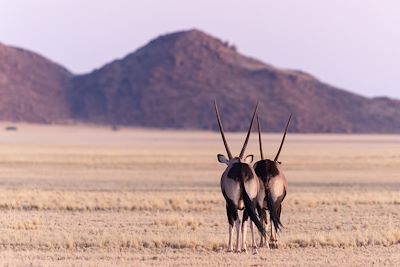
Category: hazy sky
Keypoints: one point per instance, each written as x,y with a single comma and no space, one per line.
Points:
352,44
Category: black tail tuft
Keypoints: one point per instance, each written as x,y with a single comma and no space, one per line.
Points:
273,213
251,209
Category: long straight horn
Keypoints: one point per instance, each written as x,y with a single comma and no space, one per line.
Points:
259,137
222,130
248,133
283,139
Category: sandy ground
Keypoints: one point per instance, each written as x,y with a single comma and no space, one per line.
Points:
88,196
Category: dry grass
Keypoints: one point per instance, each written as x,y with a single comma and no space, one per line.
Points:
90,196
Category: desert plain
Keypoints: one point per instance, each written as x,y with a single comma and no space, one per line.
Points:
91,196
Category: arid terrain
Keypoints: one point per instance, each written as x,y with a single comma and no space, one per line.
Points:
90,196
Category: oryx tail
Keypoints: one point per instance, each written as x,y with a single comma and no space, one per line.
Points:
251,210
273,214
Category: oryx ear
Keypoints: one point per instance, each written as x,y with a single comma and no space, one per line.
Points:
222,159
249,159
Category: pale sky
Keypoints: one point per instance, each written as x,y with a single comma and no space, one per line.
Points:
351,44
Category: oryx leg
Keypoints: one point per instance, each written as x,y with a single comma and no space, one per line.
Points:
237,225
230,220
253,240
264,221
274,240
233,220
244,230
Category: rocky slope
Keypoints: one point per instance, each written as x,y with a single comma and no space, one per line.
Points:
32,88
171,83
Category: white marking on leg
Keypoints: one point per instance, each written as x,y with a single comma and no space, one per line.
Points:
267,220
253,240
237,224
244,233
229,249
273,237
272,233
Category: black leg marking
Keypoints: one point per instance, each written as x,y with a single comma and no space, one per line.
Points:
245,216
231,208
229,215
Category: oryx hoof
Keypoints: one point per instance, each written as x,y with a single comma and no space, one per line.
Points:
273,245
229,250
244,250
255,251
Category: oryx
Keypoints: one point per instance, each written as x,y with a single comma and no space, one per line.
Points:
239,184
275,186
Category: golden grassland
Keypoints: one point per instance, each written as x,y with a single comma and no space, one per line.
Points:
90,196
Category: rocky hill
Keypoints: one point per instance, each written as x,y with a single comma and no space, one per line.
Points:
32,88
171,83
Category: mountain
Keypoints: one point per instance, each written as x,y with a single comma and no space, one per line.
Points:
32,88
171,83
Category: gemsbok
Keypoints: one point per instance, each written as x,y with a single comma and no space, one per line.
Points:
239,185
274,183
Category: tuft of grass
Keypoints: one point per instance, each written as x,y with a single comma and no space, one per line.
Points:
30,224
341,239
180,221
335,209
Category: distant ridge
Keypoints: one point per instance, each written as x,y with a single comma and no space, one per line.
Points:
32,88
171,83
